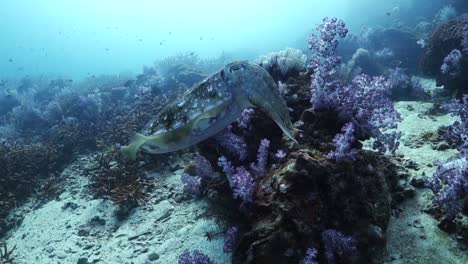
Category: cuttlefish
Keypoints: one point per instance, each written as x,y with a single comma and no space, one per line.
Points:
209,107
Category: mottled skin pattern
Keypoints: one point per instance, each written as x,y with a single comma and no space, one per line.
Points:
209,107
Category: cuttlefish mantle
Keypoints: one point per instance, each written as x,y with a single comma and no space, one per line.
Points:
209,107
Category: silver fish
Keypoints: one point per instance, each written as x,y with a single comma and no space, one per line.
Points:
209,107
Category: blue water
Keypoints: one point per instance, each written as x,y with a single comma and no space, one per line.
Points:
80,38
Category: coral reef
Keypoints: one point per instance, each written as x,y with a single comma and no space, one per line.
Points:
284,64
326,196
26,170
404,87
444,40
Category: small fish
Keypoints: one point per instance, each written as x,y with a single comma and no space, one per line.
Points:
388,14
160,43
10,60
395,63
421,43
119,88
170,33
209,107
201,38
106,49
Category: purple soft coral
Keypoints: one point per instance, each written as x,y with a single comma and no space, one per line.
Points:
311,257
343,144
232,143
450,184
338,244
226,165
195,184
244,119
195,258
324,60
365,101
262,158
451,67
231,239
465,37
192,184
458,132
243,185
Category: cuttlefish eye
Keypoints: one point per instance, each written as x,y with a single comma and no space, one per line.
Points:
236,67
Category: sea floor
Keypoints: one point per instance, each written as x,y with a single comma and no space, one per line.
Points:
413,236
76,228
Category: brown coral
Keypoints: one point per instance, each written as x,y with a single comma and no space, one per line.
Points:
27,169
308,194
443,40
113,177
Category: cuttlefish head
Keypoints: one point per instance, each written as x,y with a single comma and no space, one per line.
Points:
254,85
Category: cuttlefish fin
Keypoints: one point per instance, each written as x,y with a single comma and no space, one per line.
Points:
136,142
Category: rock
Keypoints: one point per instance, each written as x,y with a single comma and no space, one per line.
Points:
82,261
70,205
97,221
83,232
442,146
417,182
447,225
409,192
163,210
153,256
282,229
417,224
376,235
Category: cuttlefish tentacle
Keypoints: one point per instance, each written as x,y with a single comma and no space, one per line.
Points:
209,107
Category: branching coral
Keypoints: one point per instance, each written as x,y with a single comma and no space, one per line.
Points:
118,179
